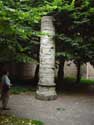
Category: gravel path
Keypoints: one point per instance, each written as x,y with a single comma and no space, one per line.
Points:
66,110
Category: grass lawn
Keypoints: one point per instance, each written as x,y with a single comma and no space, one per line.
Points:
68,83
87,81
82,81
12,120
20,89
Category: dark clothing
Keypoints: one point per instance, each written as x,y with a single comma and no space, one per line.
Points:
5,88
5,91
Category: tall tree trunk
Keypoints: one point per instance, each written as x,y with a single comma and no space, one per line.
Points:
36,77
60,74
46,85
78,65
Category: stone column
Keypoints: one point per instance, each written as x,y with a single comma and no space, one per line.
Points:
46,85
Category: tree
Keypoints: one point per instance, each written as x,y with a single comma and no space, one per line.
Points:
22,19
76,36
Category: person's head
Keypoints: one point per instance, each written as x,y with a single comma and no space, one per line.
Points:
5,72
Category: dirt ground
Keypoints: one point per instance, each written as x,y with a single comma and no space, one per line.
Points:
67,109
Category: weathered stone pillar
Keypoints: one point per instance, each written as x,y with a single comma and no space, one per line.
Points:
46,85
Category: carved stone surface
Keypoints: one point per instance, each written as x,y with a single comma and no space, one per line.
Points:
46,83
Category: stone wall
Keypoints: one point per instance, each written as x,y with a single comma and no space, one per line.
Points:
70,69
90,71
20,70
87,70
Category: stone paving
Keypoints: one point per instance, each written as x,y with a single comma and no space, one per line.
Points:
68,109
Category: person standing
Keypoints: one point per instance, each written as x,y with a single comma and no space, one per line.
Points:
6,84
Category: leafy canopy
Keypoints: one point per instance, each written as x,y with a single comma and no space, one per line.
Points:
74,21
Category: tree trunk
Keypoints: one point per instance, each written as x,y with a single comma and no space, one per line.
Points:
78,65
60,74
46,85
36,77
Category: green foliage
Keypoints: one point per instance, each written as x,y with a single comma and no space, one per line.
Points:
23,58
73,18
76,37
87,81
7,120
83,81
19,90
21,20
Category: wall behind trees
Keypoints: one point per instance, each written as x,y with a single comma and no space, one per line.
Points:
70,70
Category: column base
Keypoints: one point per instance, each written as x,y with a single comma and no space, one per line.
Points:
46,93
